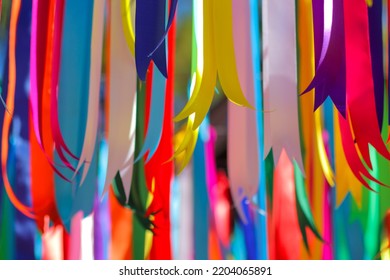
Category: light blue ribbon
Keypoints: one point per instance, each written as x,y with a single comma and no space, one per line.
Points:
261,222
73,104
156,116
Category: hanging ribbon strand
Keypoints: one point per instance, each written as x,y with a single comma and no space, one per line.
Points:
127,22
218,57
280,81
121,126
329,80
10,103
41,101
94,89
360,96
149,29
243,162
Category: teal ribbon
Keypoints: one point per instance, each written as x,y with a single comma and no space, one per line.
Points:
156,116
73,104
201,203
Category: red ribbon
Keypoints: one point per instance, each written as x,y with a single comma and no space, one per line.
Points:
360,85
286,237
159,168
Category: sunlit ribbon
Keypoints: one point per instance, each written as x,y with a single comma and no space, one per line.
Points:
36,95
218,57
61,147
52,248
310,215
285,216
323,157
329,39
158,168
360,96
121,127
127,9
42,179
280,81
87,238
242,141
94,89
149,30
351,154
156,117
261,199
72,107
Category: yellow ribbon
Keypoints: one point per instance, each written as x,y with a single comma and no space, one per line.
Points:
218,57
324,160
215,55
224,51
127,22
369,3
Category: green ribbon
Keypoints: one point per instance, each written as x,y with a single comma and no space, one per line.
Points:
305,216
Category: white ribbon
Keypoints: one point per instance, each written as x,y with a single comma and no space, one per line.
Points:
121,134
281,119
242,140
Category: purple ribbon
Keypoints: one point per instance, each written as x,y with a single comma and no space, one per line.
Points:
330,79
150,33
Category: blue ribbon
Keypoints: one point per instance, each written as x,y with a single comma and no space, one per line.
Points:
25,228
102,229
238,242
149,29
201,203
156,116
150,34
348,236
261,220
249,232
73,104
